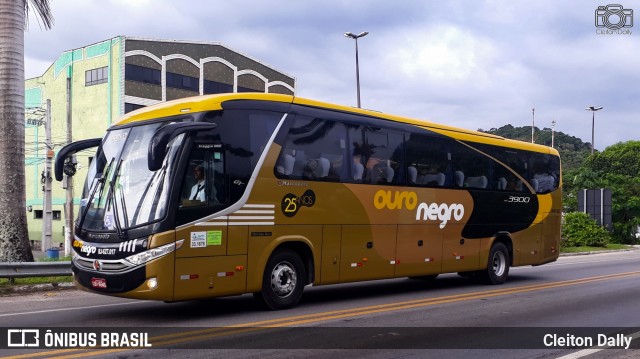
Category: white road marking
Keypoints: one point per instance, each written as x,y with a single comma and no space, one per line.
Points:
69,309
585,352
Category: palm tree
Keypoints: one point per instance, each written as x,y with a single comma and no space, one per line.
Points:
14,238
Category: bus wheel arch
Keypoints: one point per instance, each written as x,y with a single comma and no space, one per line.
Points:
505,238
287,271
303,250
499,261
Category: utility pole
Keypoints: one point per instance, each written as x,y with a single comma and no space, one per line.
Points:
68,228
47,215
533,122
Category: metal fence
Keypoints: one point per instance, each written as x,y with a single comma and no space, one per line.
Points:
34,269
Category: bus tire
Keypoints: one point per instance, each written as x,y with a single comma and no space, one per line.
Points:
283,280
497,266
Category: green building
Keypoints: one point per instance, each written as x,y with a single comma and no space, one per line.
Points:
110,78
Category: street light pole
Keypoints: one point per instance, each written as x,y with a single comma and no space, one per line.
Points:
553,127
355,37
593,110
533,122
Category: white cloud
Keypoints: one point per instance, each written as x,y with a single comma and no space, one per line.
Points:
441,52
475,64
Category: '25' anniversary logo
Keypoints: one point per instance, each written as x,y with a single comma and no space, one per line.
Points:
292,203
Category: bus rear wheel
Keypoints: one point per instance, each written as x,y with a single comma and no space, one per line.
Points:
283,280
497,266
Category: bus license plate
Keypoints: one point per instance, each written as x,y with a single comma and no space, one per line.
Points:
98,282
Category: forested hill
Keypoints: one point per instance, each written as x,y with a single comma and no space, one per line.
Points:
572,150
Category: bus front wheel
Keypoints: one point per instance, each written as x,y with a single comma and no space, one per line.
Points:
498,265
283,280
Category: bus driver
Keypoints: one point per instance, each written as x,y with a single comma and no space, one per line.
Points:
198,191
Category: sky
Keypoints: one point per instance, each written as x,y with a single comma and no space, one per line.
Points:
467,63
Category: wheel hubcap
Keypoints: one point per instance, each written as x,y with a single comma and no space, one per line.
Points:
283,279
499,263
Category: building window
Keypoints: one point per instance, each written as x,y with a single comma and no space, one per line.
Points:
57,215
183,82
142,74
37,214
128,107
96,76
211,87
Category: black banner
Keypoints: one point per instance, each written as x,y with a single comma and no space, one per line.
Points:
322,338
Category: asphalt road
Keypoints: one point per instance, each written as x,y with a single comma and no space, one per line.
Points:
575,297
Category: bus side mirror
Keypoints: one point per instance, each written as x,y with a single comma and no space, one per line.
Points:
158,144
61,163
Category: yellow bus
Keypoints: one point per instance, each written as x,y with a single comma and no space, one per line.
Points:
228,194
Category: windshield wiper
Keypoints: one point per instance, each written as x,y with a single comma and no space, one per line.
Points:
112,196
124,205
99,184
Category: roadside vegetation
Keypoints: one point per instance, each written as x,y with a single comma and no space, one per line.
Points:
6,283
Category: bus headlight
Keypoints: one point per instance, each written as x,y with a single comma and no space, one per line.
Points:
153,253
152,283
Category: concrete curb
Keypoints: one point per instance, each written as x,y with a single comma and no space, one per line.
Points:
35,288
635,248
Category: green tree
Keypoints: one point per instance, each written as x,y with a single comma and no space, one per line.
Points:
14,239
617,168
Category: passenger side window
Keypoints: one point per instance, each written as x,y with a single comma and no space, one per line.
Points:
379,153
471,168
546,173
428,161
513,161
315,150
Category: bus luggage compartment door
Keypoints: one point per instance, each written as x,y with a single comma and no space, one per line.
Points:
207,277
419,250
459,254
368,252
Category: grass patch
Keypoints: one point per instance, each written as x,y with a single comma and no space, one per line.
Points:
609,247
5,282
60,259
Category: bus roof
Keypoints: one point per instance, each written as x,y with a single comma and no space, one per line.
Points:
214,102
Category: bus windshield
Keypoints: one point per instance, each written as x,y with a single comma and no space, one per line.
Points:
120,191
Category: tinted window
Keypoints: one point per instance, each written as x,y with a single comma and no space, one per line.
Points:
471,168
211,87
183,82
545,175
315,149
221,161
142,74
512,161
428,161
382,155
